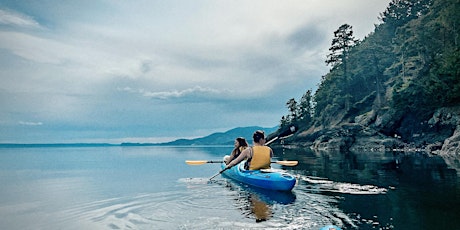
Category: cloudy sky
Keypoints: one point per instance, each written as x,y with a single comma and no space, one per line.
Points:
154,71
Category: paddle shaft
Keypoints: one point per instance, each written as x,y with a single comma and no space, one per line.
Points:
271,141
285,133
198,162
217,174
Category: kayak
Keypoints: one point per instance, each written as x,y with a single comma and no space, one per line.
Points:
267,179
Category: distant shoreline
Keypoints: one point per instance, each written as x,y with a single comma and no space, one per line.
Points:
214,139
61,145
34,145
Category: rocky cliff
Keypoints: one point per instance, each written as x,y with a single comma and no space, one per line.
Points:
440,134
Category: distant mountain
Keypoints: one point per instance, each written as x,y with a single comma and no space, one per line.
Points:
223,138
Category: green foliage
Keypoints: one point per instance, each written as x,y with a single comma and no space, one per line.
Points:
305,108
300,113
399,12
409,64
429,53
291,104
341,43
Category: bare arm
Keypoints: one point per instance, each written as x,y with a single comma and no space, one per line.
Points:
241,157
232,155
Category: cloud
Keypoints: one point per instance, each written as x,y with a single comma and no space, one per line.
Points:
194,92
96,69
307,37
30,123
16,19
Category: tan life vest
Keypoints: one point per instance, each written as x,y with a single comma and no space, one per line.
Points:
242,148
260,158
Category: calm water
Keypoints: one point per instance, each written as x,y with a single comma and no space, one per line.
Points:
152,188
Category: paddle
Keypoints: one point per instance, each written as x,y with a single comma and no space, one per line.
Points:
285,163
198,162
271,141
190,162
217,174
201,162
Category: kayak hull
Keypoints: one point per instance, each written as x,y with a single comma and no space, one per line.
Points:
273,180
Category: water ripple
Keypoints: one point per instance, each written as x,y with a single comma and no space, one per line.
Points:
223,204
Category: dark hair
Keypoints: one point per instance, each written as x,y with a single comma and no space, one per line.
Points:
258,135
237,150
242,141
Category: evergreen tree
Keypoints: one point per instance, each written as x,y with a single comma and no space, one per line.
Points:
400,12
292,106
305,108
284,122
342,42
428,59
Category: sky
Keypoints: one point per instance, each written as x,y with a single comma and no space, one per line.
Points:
117,71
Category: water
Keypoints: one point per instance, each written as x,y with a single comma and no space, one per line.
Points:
153,188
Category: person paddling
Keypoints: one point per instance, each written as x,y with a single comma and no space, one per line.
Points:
240,145
259,156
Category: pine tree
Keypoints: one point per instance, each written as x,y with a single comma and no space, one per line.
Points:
342,42
305,108
292,106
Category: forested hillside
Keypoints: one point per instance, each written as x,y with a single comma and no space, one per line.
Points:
401,82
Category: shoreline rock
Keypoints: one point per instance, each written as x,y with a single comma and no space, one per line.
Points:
365,136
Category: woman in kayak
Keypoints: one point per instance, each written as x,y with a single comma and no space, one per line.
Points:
240,145
259,156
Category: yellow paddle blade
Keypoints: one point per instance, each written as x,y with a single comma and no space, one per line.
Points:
287,163
189,162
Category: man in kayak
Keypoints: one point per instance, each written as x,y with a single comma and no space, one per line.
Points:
240,145
259,156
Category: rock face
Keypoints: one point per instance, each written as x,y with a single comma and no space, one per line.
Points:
452,144
450,150
374,131
449,116
354,137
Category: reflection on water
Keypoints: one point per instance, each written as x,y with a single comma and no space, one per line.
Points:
152,188
257,203
261,210
383,190
252,206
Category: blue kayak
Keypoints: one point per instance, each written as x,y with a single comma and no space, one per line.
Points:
271,180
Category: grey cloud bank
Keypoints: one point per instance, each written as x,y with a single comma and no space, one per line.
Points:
114,71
